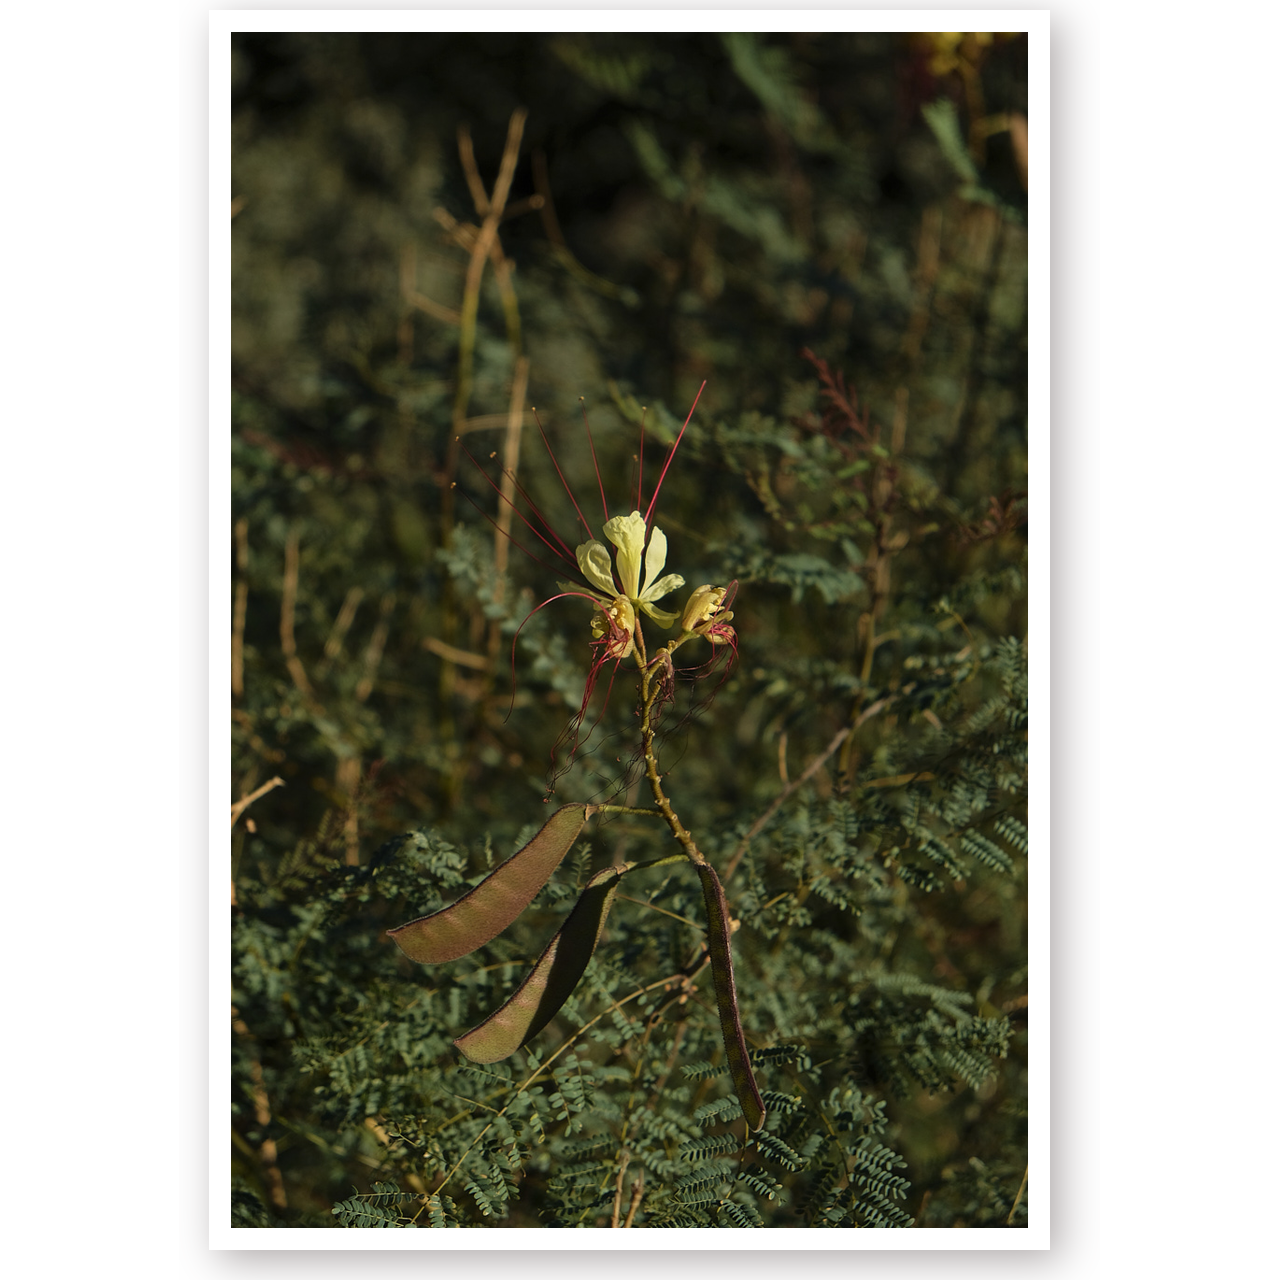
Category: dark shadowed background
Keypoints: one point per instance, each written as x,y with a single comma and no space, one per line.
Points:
830,231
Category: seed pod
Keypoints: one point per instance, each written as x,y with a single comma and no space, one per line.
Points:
735,1043
551,982
485,911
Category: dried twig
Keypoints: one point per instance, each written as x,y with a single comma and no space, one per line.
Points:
241,607
617,1195
756,827
347,781
491,207
510,463
245,801
637,1194
1017,1200
433,308
342,623
262,1114
374,649
451,653
288,597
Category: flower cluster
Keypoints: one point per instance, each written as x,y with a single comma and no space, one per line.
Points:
615,619
626,584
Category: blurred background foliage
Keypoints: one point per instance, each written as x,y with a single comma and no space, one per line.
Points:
830,230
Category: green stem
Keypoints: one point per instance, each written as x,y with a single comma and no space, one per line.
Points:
649,696
719,927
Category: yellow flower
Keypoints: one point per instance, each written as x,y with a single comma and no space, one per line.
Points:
627,533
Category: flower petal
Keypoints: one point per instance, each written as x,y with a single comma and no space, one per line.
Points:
627,534
596,566
577,589
655,557
660,616
664,586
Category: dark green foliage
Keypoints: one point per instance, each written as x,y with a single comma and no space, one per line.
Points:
377,1208
819,228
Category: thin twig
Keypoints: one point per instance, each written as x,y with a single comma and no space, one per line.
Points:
899,779
288,597
241,607
491,208
418,299
510,464
502,526
492,421
623,1161
551,226
637,1194
374,649
924,1204
756,827
1017,1200
569,1042
874,709
245,801
651,689
451,653
346,780
342,623
467,153
262,1114
928,258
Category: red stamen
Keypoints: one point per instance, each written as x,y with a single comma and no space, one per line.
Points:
644,413
563,595
519,545
672,454
560,473
594,463
564,555
533,506
608,693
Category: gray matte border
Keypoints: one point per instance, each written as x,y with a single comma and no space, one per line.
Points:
1074,681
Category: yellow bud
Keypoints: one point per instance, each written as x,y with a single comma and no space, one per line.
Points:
702,605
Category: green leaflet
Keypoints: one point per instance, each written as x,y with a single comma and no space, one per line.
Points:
552,980
735,1044
497,900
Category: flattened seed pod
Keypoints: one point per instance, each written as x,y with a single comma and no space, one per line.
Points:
735,1043
552,980
485,911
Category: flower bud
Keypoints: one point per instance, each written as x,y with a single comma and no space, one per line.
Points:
702,606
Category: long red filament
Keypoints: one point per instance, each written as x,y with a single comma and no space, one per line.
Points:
533,506
563,481
564,555
594,463
644,413
562,596
519,545
672,454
